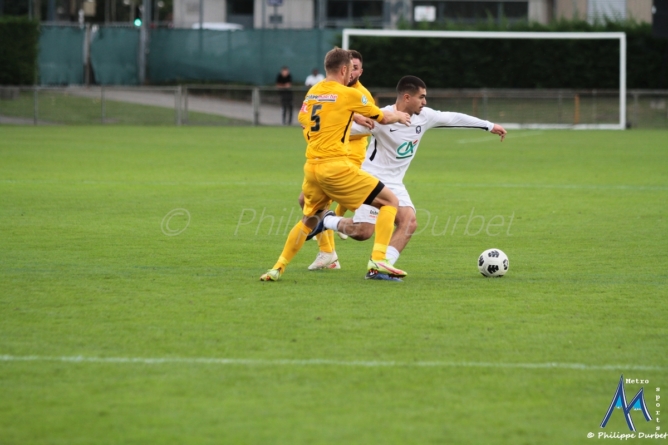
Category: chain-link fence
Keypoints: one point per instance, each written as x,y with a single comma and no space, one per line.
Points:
240,105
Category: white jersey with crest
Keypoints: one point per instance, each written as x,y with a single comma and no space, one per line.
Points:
393,147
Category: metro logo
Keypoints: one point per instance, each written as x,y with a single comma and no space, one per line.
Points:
407,149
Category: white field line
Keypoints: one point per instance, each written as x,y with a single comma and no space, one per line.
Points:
321,362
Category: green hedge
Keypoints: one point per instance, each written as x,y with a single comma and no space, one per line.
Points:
18,51
494,63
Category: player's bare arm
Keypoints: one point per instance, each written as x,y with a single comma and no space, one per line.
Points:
364,121
392,117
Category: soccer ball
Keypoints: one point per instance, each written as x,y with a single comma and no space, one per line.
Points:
493,263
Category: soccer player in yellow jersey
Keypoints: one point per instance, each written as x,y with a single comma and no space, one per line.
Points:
358,143
329,175
327,257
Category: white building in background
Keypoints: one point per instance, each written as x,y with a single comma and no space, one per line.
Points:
307,14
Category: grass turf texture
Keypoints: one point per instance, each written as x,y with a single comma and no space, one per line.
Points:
87,270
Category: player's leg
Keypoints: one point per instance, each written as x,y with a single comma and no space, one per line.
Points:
340,211
295,241
356,155
346,184
327,257
384,200
406,225
387,203
315,204
324,243
362,225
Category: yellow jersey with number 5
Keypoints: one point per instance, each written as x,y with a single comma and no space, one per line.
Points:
327,114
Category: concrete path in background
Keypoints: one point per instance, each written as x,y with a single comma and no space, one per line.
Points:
269,114
9,120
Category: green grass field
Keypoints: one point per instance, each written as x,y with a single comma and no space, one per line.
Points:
123,323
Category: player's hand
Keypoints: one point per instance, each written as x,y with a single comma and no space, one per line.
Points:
364,121
498,129
404,118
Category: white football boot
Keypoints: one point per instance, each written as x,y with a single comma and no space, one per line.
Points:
325,260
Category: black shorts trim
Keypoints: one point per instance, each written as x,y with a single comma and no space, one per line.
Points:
376,190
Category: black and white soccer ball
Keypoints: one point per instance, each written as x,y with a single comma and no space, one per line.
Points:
493,263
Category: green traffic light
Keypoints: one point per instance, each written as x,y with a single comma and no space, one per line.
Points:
137,22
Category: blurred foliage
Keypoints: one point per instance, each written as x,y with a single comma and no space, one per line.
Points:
518,63
18,50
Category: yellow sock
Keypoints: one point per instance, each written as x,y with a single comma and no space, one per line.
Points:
330,234
384,228
326,241
340,210
294,242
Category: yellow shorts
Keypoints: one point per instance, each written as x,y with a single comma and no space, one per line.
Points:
357,151
335,179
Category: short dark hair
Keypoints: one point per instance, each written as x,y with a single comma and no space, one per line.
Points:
356,55
410,85
336,58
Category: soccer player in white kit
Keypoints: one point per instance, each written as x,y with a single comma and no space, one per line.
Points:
390,152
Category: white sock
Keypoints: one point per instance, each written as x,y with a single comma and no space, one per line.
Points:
392,255
332,222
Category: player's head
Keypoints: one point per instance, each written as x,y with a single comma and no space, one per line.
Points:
357,67
411,94
338,63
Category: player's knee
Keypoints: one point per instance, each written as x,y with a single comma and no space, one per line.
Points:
367,231
393,201
361,232
407,228
386,198
412,226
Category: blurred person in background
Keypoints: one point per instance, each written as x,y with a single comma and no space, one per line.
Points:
313,78
284,83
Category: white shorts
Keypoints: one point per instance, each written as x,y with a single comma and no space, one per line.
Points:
368,214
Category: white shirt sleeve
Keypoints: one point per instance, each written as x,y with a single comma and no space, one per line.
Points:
457,120
357,129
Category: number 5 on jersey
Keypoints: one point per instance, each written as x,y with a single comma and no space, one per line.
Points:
315,118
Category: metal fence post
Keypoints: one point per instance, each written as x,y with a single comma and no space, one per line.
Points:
144,37
177,103
484,103
87,35
104,111
256,106
185,104
35,109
